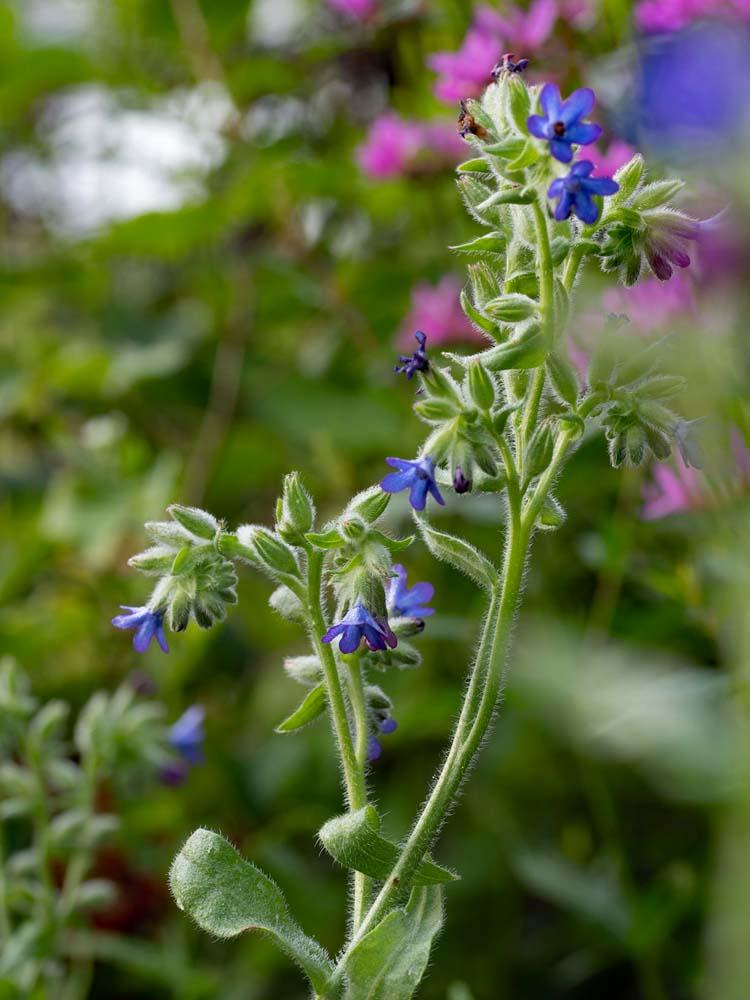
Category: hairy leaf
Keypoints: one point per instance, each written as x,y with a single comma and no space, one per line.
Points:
312,705
227,895
458,553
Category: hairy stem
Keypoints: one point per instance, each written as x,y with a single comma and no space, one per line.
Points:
362,884
546,316
354,781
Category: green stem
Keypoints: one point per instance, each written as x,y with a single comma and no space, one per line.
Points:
571,267
354,781
546,316
471,728
362,885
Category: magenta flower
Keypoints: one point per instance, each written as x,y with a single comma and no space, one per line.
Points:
467,72
358,10
436,309
653,16
652,304
672,491
391,146
395,146
608,163
526,30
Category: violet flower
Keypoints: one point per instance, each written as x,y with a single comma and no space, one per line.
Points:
416,362
524,29
561,124
576,192
187,735
358,624
148,625
408,602
418,477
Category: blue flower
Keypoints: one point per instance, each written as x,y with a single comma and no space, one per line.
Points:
358,624
148,625
386,726
187,734
416,362
576,192
406,602
561,122
418,477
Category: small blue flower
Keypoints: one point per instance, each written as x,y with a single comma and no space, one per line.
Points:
418,477
406,602
148,625
187,734
561,123
358,624
576,192
388,726
416,362
374,749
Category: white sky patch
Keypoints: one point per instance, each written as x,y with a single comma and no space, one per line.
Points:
106,160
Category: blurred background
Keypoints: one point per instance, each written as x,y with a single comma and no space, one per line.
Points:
220,221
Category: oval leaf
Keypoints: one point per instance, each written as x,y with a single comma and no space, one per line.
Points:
313,705
354,840
460,554
226,895
389,962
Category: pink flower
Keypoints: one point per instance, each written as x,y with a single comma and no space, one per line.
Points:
390,147
671,15
467,72
526,30
671,491
395,146
359,10
651,304
436,309
617,155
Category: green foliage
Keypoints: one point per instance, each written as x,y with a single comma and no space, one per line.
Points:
226,896
389,962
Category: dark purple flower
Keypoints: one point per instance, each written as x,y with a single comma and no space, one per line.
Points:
187,734
416,362
576,192
148,625
561,123
509,65
460,482
358,624
417,477
174,773
407,602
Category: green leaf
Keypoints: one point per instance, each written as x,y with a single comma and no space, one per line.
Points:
389,962
227,895
326,539
458,553
313,705
494,243
354,840
478,318
478,165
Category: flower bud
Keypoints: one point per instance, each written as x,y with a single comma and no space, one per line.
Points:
539,450
154,561
481,386
563,378
198,522
435,410
511,308
370,504
629,177
353,528
297,505
271,551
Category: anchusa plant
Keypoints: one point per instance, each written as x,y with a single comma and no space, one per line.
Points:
52,826
503,421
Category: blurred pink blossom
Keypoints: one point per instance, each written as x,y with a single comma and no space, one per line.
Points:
618,153
671,15
396,146
359,10
467,72
671,491
437,311
651,304
525,30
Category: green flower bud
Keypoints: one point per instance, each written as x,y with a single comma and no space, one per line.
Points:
198,522
370,504
563,377
511,308
297,505
271,551
539,451
435,411
154,561
352,528
482,386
